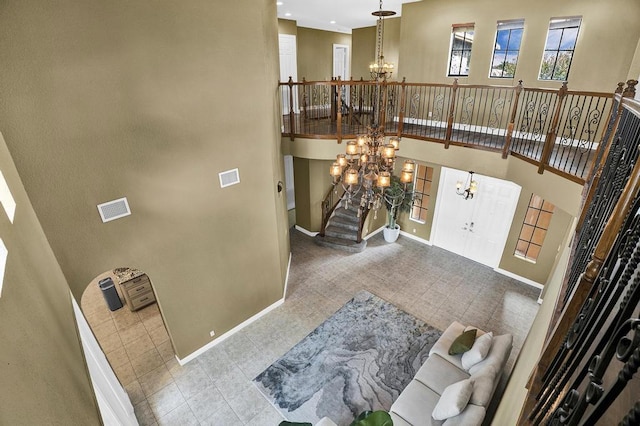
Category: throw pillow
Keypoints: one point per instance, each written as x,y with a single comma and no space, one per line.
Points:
483,384
463,342
453,400
478,352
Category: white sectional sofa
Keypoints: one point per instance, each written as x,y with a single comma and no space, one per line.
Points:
468,390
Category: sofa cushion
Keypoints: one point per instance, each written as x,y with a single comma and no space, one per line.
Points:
473,415
498,354
441,347
326,421
438,373
484,382
415,404
463,342
453,400
478,352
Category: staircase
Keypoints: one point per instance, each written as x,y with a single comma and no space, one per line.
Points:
342,228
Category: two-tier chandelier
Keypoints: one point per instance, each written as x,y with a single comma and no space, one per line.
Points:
366,170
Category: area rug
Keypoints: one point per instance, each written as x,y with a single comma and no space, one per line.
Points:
359,359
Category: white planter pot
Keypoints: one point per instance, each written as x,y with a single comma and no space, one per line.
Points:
391,235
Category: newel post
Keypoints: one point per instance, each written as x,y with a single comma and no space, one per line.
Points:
403,99
553,129
512,120
452,110
292,114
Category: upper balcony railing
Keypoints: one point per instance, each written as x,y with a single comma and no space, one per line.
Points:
557,130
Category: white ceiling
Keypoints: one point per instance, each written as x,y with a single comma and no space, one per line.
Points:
347,14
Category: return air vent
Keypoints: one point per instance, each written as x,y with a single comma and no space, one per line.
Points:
115,209
228,178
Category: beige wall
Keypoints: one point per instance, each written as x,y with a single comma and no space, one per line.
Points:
312,183
315,53
287,26
634,69
602,58
364,48
44,378
363,53
151,101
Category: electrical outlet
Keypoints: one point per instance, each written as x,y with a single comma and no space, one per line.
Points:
212,333
414,230
430,114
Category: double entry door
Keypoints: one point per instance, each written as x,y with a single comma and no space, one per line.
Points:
476,228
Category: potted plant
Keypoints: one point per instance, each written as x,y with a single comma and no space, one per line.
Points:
398,198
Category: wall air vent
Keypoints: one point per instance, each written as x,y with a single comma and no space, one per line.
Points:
115,209
228,178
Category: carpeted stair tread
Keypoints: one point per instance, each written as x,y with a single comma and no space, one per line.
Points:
350,213
339,232
341,243
345,222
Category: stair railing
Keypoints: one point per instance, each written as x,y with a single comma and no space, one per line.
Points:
329,204
557,130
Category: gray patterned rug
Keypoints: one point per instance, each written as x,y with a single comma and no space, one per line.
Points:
359,359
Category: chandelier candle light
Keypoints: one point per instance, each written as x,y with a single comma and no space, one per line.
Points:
471,187
366,168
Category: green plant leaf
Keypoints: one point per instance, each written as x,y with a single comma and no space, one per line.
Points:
375,418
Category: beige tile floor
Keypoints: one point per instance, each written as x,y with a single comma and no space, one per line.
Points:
216,388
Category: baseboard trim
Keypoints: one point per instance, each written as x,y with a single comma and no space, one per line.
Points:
416,238
229,333
304,231
371,234
519,278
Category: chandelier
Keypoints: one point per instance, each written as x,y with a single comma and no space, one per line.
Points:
379,69
471,187
366,169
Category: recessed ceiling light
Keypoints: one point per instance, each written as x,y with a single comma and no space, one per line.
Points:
332,22
287,14
279,3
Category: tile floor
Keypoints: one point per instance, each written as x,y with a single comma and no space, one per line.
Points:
216,388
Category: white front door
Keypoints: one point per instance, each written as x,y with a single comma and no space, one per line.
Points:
288,68
475,228
113,401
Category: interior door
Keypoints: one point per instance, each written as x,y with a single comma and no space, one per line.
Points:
113,401
341,68
476,228
288,68
341,61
